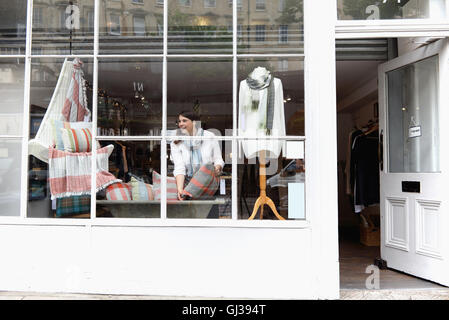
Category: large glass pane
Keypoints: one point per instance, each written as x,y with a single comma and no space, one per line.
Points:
10,173
63,27
391,9
271,180
270,26
414,140
196,26
131,27
13,26
256,78
130,97
203,87
12,73
55,178
133,170
199,175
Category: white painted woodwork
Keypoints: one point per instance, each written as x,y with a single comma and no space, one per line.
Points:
414,237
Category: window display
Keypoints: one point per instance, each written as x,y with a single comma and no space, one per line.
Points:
190,130
60,148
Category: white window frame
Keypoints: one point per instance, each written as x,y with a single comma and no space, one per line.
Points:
160,2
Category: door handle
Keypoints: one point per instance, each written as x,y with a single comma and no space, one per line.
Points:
380,152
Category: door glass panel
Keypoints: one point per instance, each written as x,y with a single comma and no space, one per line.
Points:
414,142
391,9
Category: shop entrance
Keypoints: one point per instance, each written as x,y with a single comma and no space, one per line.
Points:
382,226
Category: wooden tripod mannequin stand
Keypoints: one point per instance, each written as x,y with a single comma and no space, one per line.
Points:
263,199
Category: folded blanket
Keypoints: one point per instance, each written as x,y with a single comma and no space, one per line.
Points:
70,172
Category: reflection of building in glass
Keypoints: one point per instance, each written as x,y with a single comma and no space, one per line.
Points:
199,26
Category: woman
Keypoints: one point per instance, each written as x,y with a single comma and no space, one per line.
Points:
189,155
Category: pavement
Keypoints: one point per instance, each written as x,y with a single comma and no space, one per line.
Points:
345,294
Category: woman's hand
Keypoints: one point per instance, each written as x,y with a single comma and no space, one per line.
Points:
217,170
180,195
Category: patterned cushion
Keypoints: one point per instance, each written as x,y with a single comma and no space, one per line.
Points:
203,184
118,191
141,190
172,190
77,140
72,205
57,125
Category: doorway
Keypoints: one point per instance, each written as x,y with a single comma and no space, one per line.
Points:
358,139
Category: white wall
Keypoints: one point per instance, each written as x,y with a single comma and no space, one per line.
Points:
172,261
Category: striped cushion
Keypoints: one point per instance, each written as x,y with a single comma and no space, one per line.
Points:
57,125
141,190
172,190
118,191
203,184
77,140
72,205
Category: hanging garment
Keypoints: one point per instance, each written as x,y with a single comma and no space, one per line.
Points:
261,113
349,170
366,170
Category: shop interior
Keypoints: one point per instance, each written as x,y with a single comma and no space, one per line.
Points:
358,129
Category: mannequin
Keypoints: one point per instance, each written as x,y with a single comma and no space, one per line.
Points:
261,114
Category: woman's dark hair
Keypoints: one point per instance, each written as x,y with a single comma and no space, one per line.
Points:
193,116
189,115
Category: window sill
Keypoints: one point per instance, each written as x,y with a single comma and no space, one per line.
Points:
167,223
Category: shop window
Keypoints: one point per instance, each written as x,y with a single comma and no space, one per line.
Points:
10,175
128,31
13,27
391,9
11,96
60,138
130,97
204,87
198,187
61,29
135,166
199,32
262,38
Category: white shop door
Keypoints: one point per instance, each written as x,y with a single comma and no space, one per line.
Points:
414,180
